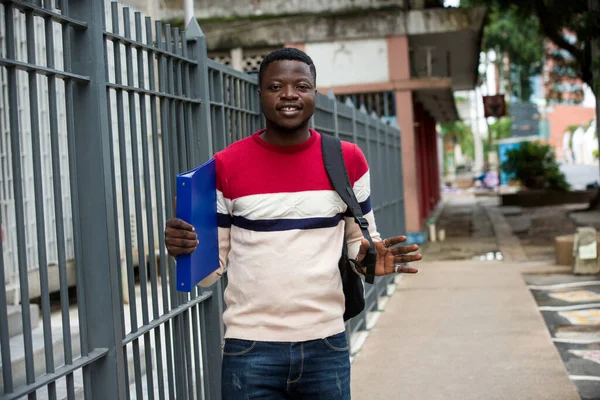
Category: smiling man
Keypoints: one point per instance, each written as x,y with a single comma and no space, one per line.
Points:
281,228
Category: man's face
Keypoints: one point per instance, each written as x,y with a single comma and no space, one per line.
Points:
287,94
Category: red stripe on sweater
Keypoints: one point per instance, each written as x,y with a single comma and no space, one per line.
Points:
248,167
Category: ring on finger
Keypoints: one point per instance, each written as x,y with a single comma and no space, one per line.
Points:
398,266
385,243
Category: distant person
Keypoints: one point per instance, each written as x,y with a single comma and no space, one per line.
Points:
281,228
566,148
482,177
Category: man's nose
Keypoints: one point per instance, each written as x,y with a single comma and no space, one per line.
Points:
289,92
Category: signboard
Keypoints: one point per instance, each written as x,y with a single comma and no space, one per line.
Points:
494,106
503,149
585,251
525,119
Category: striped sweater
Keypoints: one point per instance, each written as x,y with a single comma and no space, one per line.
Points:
281,227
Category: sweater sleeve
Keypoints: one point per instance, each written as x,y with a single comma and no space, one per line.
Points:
224,213
360,178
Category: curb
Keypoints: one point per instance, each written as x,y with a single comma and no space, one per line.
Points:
508,244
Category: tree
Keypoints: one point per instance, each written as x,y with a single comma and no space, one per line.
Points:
463,134
571,25
534,165
519,38
501,129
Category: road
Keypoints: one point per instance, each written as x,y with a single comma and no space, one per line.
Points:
580,175
570,307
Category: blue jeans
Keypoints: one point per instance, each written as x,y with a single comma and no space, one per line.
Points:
316,369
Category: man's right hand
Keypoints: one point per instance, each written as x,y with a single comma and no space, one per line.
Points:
180,237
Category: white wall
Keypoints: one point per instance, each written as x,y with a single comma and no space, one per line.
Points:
350,62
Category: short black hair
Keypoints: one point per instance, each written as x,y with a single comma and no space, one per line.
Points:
287,54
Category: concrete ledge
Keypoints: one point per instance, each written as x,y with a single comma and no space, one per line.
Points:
508,243
540,198
15,318
563,246
544,268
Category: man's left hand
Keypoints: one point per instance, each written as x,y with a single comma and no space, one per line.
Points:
391,259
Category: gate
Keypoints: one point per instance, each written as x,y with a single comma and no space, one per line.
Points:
100,108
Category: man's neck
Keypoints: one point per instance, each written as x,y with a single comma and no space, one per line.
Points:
278,138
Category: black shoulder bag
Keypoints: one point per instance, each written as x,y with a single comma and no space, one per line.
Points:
354,292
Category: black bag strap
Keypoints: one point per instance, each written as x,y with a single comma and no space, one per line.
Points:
333,159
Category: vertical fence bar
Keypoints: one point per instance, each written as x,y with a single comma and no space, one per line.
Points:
122,269
210,314
176,166
192,122
123,169
67,36
58,207
334,115
7,380
222,121
100,282
159,209
125,200
185,164
149,219
15,142
169,195
39,203
199,79
133,132
197,358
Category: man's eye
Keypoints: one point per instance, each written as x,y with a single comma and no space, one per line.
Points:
303,87
275,87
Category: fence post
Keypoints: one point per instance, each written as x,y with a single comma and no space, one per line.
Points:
349,103
94,232
196,42
210,314
336,128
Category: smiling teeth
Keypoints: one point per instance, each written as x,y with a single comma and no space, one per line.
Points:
289,108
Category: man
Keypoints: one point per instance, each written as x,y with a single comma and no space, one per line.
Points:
488,178
281,227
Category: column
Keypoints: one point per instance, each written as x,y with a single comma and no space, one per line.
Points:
399,69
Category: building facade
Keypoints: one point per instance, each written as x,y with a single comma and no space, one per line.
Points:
566,103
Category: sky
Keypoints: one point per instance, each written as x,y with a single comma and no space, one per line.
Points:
451,3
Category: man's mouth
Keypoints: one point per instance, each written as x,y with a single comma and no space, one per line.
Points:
290,111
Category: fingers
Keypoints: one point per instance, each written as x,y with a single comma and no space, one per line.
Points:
179,242
404,249
364,248
407,258
177,251
407,270
180,237
389,242
178,223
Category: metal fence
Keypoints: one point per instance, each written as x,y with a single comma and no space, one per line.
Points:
99,110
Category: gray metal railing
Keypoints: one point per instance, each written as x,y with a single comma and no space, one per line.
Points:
94,129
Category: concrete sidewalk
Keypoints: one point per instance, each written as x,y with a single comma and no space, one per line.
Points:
461,330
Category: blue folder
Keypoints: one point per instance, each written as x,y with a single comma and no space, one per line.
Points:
197,205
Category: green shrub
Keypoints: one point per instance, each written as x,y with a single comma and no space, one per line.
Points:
534,165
